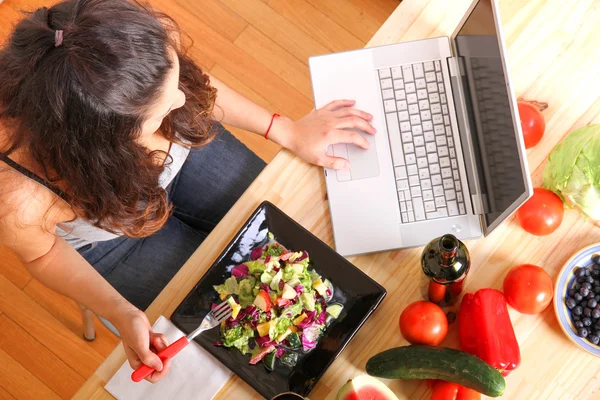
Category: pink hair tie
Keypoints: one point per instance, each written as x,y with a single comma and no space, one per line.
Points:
58,38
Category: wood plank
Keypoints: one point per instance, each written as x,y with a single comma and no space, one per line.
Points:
68,313
4,395
216,15
12,269
317,25
21,384
38,360
266,51
250,72
224,76
349,16
39,323
378,9
280,29
9,18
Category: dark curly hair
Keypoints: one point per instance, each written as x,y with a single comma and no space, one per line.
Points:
78,108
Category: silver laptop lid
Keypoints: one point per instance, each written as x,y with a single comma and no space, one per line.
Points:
498,148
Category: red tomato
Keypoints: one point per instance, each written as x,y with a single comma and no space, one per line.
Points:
453,391
533,124
423,322
542,213
528,289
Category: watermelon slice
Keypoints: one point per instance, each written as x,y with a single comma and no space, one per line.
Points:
364,387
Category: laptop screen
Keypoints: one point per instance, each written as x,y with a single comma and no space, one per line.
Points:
501,172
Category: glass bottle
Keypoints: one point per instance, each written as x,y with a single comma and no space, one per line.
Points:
445,262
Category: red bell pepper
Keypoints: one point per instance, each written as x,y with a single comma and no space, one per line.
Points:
486,331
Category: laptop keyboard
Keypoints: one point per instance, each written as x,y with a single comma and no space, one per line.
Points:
423,151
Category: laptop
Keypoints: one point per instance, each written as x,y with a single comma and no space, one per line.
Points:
449,155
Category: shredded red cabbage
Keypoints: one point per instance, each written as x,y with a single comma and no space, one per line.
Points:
267,258
304,256
299,289
264,341
241,271
281,284
256,253
231,323
265,287
309,337
322,318
306,323
280,352
311,315
276,269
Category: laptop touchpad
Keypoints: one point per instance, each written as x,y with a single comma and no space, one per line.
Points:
363,163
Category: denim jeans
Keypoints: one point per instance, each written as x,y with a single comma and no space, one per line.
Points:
211,180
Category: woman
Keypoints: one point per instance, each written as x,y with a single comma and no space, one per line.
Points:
113,167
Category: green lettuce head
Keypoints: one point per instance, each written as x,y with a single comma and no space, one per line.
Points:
573,171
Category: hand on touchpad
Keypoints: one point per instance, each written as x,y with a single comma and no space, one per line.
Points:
363,163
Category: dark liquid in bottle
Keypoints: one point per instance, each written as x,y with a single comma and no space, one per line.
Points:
445,262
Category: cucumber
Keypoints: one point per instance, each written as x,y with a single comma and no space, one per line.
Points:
294,340
269,361
290,359
428,362
334,310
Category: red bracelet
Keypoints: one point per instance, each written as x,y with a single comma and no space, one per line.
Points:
270,125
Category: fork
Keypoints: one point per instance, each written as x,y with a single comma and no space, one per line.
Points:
217,315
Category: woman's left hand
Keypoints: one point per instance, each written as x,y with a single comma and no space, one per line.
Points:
310,136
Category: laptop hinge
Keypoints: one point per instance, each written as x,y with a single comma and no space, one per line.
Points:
458,77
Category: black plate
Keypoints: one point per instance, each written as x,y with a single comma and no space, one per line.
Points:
359,294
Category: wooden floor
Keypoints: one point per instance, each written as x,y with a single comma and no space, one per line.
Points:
260,48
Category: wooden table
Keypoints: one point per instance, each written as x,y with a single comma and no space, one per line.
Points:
554,58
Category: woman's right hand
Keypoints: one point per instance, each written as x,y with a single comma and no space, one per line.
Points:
141,344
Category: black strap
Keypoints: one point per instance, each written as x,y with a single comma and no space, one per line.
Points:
34,177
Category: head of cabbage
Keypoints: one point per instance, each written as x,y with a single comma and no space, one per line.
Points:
573,171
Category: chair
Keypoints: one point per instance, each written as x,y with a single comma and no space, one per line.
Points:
87,316
89,331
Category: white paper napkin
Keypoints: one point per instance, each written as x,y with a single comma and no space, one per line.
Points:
194,374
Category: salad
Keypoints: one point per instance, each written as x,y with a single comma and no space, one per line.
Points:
280,307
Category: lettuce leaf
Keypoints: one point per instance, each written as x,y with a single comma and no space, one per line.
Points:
246,291
573,171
